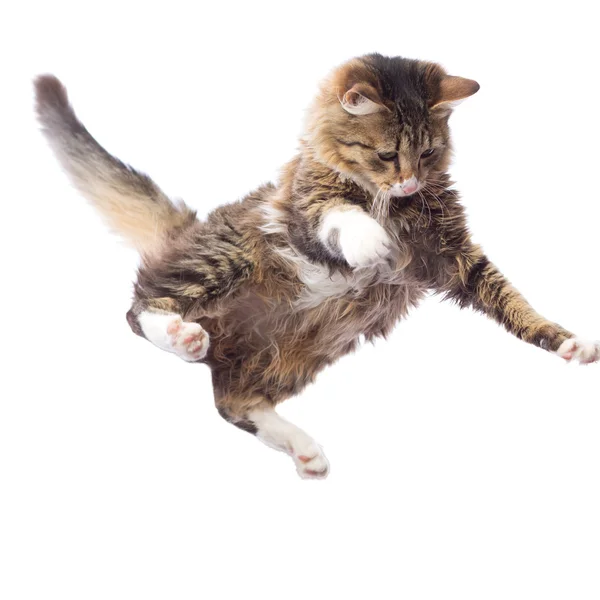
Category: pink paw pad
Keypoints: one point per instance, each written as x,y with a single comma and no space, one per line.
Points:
188,339
313,466
174,326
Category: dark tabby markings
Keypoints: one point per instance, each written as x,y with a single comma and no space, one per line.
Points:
333,240
243,424
475,275
488,291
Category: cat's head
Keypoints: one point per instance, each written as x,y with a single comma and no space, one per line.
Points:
384,122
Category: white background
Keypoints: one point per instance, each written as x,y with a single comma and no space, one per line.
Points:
465,463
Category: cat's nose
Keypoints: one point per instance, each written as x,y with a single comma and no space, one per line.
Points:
410,185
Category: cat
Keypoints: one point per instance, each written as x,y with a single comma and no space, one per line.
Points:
363,223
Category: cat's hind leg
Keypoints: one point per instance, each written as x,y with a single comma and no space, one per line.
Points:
168,331
206,264
269,427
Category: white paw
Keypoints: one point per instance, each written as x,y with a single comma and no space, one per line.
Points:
582,351
312,467
310,461
188,340
276,432
362,240
367,245
169,332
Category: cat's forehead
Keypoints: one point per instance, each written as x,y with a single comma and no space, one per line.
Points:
412,119
408,126
402,87
401,81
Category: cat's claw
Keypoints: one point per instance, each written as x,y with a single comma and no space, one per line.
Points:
581,351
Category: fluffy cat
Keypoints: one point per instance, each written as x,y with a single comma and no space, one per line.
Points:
270,289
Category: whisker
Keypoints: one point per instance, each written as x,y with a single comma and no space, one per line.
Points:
442,205
449,217
381,206
422,206
425,205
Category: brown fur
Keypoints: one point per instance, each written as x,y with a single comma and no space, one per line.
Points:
132,204
240,273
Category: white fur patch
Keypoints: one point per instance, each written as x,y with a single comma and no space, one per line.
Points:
582,351
362,240
320,281
169,332
276,432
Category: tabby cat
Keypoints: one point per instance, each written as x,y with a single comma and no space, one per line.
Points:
270,289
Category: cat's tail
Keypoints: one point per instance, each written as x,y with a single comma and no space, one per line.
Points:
132,204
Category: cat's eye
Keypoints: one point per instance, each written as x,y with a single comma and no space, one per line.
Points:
387,155
428,153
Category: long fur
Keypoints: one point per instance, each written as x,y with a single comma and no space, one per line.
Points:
131,203
281,285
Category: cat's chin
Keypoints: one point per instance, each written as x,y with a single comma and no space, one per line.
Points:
400,193
403,194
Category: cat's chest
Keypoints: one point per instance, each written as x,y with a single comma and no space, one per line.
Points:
338,318
321,284
366,301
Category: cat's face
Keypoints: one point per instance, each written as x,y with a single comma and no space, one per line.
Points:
392,151
384,122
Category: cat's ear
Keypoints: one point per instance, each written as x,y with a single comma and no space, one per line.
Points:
362,99
450,91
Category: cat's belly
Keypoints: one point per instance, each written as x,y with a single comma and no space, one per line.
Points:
260,343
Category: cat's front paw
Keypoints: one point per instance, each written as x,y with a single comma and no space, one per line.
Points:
364,242
361,240
582,351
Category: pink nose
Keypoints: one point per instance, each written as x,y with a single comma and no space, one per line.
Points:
410,185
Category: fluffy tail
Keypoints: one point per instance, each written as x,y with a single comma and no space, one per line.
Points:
132,204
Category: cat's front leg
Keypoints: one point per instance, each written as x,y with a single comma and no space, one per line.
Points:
350,233
476,282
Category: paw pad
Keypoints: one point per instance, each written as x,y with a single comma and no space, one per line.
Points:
188,340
